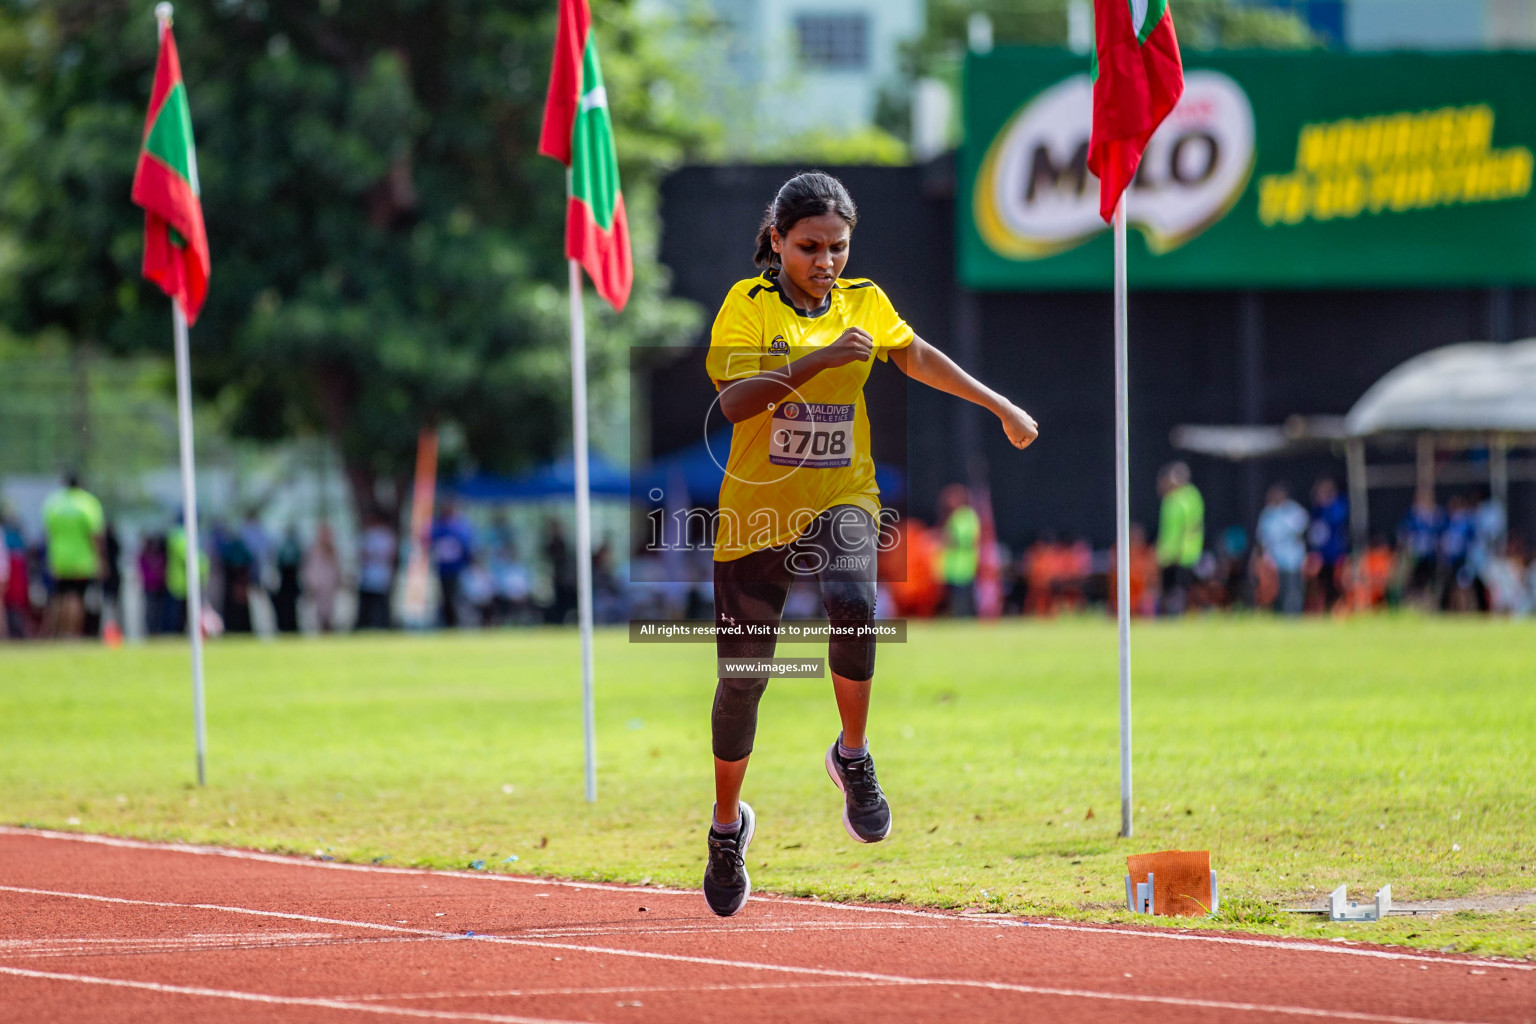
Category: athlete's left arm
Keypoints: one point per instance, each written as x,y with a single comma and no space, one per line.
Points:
926,364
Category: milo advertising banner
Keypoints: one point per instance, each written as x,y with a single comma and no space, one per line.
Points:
1275,170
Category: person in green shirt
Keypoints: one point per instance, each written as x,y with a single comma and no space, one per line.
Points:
962,550
73,524
176,575
1180,535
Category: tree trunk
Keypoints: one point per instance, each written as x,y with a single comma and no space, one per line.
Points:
338,390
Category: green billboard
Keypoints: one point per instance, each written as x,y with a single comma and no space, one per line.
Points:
1276,170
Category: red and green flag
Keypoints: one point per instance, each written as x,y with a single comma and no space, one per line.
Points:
165,184
1137,79
579,133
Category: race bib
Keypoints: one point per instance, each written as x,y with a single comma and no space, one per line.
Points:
811,434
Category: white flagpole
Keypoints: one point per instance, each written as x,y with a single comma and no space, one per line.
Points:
189,515
1123,514
583,524
163,13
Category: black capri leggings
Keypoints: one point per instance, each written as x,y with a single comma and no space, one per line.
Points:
838,550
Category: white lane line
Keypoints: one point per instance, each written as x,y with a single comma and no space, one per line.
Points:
257,997
278,858
714,929
996,920
167,947
751,965
613,990
229,910
97,940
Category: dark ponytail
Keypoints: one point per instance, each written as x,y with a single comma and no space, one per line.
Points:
810,194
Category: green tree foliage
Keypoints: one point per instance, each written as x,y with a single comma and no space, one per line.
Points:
1202,24
387,245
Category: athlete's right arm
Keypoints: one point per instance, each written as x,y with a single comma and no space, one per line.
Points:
752,396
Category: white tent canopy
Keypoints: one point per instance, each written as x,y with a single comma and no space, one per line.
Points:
1474,386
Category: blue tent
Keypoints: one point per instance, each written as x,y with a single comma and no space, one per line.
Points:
555,479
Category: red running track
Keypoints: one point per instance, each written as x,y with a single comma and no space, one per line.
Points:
100,929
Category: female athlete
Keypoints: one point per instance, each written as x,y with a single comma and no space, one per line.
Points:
789,354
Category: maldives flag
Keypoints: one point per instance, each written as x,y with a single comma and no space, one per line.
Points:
165,184
578,133
1137,79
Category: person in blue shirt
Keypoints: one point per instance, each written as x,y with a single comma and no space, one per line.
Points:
1419,536
1282,534
453,546
1455,544
1328,536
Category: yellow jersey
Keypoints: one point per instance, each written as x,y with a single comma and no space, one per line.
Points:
790,463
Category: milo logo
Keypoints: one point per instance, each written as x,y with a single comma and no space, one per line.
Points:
1034,196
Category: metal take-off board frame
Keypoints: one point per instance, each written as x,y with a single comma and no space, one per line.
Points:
1341,908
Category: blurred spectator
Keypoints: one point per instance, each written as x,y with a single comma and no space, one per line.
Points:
453,546
176,576
962,538
111,609
908,562
73,523
1490,524
659,586
1282,535
1230,578
1455,546
1041,566
17,592
375,574
512,586
476,590
321,577
1328,537
285,599
152,569
239,564
1180,535
1530,581
1419,537
1143,574
1077,566
5,576
607,596
1372,576
562,571
1508,589
259,545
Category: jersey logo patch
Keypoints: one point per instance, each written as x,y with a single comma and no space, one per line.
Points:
778,346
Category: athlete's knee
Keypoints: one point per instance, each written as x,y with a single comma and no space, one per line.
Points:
733,723
849,600
851,610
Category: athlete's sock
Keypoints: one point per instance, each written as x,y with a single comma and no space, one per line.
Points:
724,830
851,753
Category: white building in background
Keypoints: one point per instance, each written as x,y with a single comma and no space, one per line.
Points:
793,67
1439,24
1367,25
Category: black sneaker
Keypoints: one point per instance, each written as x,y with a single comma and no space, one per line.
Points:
726,885
866,815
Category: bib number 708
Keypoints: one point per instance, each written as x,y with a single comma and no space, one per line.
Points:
817,436
820,442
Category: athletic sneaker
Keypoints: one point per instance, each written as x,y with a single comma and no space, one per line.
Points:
866,815
726,885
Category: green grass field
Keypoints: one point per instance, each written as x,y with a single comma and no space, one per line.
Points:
1301,754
